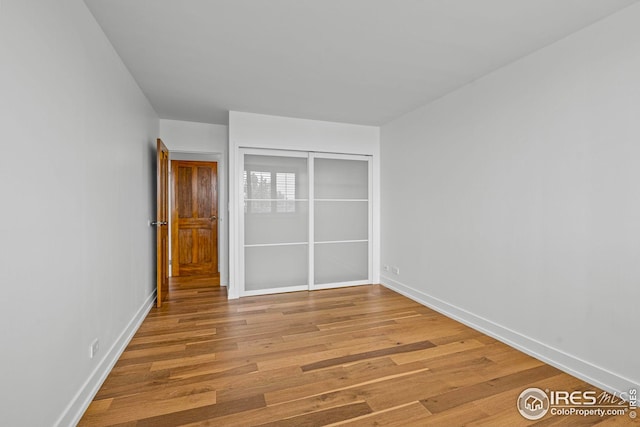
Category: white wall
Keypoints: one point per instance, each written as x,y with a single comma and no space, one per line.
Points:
514,203
77,183
194,137
204,142
248,130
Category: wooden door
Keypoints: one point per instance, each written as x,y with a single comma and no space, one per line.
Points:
162,229
194,218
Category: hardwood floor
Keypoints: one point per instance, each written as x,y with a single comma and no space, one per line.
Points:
358,356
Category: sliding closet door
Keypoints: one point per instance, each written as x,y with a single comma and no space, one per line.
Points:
276,222
342,220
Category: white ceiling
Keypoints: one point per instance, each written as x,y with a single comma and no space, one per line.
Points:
354,61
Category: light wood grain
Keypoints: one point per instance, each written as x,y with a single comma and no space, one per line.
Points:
358,356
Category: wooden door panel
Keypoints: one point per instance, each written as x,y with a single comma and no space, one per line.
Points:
204,246
184,248
205,204
162,216
194,223
184,192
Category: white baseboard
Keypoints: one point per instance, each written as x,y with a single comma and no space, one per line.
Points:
80,402
594,375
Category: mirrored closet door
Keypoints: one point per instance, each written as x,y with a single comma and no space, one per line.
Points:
341,220
306,221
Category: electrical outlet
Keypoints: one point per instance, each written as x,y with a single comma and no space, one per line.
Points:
93,349
385,268
395,270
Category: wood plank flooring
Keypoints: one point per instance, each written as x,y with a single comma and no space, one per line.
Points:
360,356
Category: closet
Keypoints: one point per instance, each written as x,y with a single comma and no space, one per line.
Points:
305,220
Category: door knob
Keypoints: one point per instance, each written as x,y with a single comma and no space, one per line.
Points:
213,218
158,223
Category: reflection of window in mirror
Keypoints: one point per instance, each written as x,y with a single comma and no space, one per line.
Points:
263,197
286,191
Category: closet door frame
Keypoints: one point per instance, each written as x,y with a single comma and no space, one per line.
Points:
311,157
